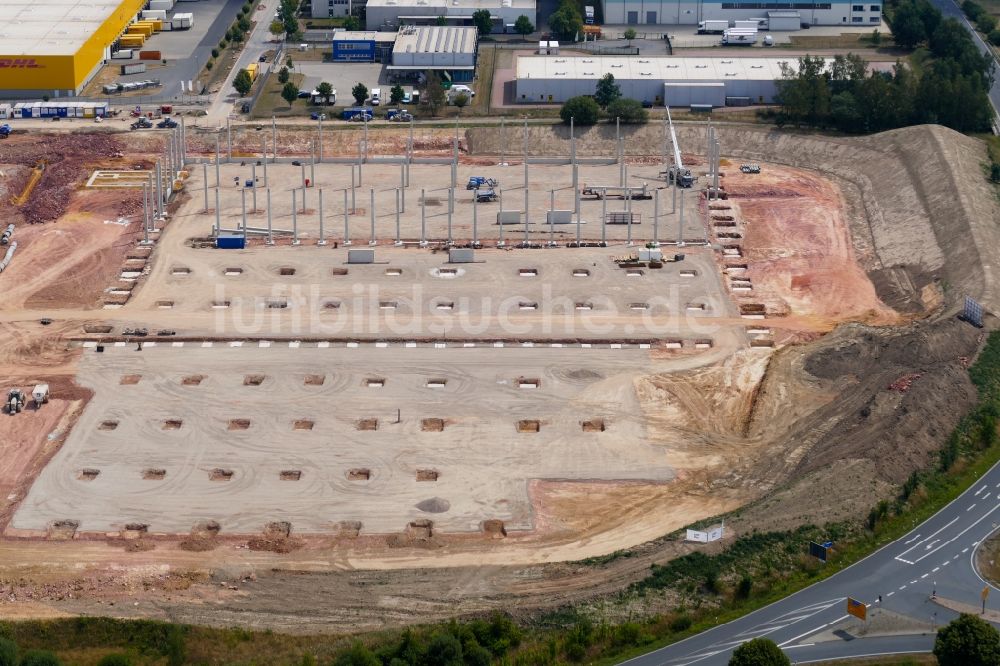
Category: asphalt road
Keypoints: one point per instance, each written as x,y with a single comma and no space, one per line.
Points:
936,557
949,8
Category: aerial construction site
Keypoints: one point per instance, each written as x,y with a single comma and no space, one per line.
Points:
432,367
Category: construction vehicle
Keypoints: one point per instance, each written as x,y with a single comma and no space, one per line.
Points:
633,192
483,196
40,395
15,401
5,238
167,123
5,131
475,182
592,32
142,123
677,173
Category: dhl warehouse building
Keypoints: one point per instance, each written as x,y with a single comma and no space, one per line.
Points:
55,47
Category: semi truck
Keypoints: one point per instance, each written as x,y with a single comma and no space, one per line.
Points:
358,113
712,27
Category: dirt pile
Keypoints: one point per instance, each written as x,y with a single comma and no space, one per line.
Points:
66,157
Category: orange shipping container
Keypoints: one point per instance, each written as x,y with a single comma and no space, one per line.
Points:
149,55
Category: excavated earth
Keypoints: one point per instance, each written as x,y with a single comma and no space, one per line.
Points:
859,407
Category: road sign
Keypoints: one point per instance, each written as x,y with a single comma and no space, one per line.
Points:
820,550
857,609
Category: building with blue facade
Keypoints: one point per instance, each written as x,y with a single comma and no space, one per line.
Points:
362,46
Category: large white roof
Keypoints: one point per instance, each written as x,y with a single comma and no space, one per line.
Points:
664,68
435,39
51,27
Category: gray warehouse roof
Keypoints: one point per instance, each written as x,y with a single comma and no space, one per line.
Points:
651,68
436,39
456,7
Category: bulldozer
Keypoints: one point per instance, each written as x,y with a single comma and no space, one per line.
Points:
15,401
40,395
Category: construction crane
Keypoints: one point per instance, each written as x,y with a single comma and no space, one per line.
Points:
676,172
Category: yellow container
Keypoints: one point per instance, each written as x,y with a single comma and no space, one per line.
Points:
151,24
131,40
141,28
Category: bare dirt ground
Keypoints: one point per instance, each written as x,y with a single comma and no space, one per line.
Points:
833,231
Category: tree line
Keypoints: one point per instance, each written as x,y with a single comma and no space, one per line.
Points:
947,83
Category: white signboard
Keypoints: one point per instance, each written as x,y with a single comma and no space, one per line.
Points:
713,534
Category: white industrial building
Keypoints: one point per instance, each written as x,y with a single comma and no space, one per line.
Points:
390,14
688,12
449,50
670,80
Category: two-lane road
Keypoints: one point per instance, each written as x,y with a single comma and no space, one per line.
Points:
936,557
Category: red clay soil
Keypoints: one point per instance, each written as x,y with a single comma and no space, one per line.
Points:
801,260
68,158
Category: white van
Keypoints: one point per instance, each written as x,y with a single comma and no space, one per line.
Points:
376,96
462,89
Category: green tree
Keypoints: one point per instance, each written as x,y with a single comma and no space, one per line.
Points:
243,83
908,28
483,21
566,22
441,20
396,94
523,26
352,23
607,90
8,652
583,110
444,650
290,93
759,652
291,25
744,587
326,90
986,24
283,75
461,100
277,28
435,93
357,655
360,93
967,641
627,111
40,658
629,35
115,660
244,23
994,37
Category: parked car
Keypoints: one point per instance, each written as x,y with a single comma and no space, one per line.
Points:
456,89
407,98
263,58
303,94
317,116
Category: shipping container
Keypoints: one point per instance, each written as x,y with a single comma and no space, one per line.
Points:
161,5
160,14
252,71
134,68
122,54
149,55
230,240
6,111
183,21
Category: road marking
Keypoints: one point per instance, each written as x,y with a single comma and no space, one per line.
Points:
902,587
970,508
954,538
924,576
946,526
986,495
792,647
935,570
812,631
913,581
381,345
931,544
980,490
965,550
946,563
955,556
890,594
907,543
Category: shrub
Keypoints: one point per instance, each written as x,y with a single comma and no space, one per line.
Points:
115,660
8,652
994,37
40,658
583,110
208,65
681,623
967,641
759,652
628,111
215,53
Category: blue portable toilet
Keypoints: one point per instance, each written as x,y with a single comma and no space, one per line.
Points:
230,240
